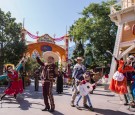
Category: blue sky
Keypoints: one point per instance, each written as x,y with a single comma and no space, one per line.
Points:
46,16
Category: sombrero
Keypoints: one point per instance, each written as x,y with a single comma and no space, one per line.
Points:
50,54
6,65
79,58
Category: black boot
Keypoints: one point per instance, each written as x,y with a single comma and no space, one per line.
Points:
2,97
15,96
46,109
51,110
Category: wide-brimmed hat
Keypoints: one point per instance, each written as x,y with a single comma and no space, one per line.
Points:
50,54
79,58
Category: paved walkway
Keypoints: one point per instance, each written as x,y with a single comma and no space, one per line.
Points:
31,103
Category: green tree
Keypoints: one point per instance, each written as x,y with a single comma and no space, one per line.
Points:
12,47
31,65
96,26
79,51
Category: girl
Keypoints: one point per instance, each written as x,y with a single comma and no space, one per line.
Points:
84,89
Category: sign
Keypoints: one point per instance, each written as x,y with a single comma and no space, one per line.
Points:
46,48
46,38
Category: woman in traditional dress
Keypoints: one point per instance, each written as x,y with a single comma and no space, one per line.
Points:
59,85
15,85
119,81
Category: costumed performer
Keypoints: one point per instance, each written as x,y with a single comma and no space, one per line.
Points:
84,89
119,81
15,84
49,72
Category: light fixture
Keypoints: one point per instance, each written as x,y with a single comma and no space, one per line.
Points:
126,27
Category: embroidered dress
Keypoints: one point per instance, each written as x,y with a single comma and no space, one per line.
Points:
15,84
119,81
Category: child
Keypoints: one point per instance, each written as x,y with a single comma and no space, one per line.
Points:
84,89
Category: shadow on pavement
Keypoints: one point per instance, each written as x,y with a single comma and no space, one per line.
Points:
25,105
109,112
57,113
63,93
102,90
109,95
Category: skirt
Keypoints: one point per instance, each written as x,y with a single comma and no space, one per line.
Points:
119,87
14,88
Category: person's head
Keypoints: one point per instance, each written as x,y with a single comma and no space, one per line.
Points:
79,60
130,59
9,68
86,75
50,59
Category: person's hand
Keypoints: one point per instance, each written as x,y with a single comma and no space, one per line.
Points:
36,54
42,82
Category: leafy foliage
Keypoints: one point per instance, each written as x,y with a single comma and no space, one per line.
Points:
79,51
96,26
11,46
31,65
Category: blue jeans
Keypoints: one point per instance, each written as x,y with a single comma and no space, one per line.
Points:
87,97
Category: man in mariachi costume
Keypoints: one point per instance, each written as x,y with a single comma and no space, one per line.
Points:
49,72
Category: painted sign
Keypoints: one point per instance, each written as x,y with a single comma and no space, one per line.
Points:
46,38
46,48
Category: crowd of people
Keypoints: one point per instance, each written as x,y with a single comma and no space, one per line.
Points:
83,82
122,83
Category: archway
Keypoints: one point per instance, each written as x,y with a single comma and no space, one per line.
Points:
42,47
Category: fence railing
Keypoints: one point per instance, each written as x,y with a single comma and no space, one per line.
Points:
123,4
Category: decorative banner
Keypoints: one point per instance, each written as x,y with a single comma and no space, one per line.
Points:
37,37
59,39
32,36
